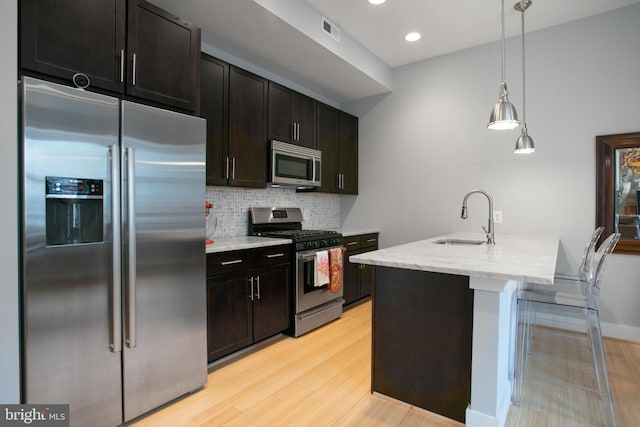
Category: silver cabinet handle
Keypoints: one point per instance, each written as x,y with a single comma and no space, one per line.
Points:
122,66
133,79
233,168
226,175
235,261
132,258
258,286
275,255
371,240
115,344
352,243
251,291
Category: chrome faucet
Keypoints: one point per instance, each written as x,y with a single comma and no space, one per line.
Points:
488,232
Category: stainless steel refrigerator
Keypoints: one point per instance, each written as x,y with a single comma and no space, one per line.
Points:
112,253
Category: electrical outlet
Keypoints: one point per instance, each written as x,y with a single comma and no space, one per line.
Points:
497,217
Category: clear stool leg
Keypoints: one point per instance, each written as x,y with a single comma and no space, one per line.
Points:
522,341
600,364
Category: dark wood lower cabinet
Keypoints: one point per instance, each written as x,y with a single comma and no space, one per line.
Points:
248,298
229,315
358,278
271,313
422,336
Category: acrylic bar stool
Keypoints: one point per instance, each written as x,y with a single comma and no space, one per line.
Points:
567,297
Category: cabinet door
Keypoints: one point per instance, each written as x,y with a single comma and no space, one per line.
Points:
247,129
229,315
163,57
214,99
349,153
367,279
271,305
351,279
327,141
304,115
280,113
65,37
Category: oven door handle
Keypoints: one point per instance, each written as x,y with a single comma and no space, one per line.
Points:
312,254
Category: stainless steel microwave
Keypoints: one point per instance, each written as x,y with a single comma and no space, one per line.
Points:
294,166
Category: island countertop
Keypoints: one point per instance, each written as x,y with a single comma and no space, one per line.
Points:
522,258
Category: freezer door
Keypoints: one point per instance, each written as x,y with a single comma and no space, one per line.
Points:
163,167
67,252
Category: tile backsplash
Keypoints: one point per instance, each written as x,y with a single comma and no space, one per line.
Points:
231,207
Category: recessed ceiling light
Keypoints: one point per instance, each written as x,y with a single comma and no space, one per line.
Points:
377,1
412,37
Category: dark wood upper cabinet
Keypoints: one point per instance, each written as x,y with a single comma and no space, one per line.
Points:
348,153
337,138
64,37
247,129
292,116
138,50
328,139
214,106
163,56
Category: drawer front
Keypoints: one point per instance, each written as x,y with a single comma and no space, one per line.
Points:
271,255
369,241
227,262
351,243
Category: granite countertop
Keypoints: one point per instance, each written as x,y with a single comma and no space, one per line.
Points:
244,242
523,258
352,231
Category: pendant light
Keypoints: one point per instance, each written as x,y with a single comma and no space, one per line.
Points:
524,145
503,115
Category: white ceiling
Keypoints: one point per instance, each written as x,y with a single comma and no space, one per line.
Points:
281,35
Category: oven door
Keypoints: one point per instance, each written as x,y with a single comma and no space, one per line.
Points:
309,296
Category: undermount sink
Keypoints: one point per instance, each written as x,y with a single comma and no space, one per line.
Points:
459,242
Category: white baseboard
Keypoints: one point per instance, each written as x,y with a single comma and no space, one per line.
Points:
610,330
622,332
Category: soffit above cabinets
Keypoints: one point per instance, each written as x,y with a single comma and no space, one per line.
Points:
285,37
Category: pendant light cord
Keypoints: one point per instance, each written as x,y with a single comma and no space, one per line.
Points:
503,42
524,91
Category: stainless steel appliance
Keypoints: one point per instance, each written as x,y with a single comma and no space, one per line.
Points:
112,253
314,306
292,165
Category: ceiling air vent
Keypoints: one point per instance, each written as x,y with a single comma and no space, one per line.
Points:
330,29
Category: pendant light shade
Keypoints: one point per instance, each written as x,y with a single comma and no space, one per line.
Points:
503,115
524,144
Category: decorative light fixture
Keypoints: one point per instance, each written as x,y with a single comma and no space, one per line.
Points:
412,37
503,115
524,145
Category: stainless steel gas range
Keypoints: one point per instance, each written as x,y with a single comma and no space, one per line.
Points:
314,305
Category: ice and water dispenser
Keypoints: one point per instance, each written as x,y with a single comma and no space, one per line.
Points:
74,211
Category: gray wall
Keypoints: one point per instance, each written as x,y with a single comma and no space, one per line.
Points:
425,145
9,344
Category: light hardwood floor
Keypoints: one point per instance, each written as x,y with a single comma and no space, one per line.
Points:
323,379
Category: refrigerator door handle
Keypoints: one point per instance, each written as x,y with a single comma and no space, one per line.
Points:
116,286
131,233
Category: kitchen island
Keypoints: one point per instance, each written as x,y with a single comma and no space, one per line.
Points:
442,320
